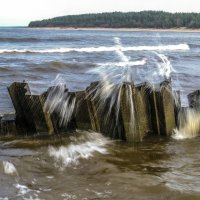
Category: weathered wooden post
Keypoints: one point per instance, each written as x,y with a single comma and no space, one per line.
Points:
103,109
8,125
162,109
92,99
82,112
47,115
142,110
167,100
155,121
194,99
51,101
18,93
40,117
59,106
135,109
30,110
127,107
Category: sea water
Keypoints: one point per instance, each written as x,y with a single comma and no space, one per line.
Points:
86,165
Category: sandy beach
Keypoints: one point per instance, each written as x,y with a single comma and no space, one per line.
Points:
122,29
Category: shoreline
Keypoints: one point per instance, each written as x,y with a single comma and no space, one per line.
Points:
184,30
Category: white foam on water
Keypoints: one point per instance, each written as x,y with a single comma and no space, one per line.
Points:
24,192
158,48
190,127
68,196
9,168
67,156
50,177
123,64
23,189
183,180
101,49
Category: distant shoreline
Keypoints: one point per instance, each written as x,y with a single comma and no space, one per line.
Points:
121,29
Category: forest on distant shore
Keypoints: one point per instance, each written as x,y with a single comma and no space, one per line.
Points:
143,19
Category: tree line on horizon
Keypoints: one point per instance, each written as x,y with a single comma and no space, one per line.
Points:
143,19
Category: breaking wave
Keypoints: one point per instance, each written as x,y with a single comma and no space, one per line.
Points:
81,148
121,64
100,49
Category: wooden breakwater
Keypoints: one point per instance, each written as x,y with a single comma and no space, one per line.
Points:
130,113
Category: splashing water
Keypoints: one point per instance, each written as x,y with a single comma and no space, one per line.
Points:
162,69
60,101
108,92
118,72
82,148
99,49
165,68
115,77
112,79
189,126
9,168
118,50
23,189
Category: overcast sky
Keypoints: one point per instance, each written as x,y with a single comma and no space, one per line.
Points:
21,12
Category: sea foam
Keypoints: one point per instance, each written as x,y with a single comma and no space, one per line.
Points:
100,49
67,156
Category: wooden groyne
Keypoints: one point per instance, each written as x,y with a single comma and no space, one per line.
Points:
131,112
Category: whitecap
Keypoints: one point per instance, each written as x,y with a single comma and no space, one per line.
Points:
101,49
66,156
123,64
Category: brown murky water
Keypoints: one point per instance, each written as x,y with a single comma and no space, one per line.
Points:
89,166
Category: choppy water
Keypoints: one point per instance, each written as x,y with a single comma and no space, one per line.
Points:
87,165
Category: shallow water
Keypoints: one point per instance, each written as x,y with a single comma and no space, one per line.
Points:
89,166
86,165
